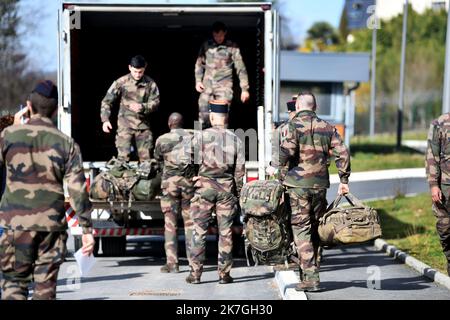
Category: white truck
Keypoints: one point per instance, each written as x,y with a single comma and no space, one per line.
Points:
95,42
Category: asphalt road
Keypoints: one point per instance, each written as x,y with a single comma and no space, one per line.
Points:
380,189
137,276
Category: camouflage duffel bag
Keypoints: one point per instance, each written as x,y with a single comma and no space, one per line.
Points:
348,225
267,230
122,182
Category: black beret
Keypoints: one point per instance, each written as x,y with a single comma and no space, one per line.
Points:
47,89
218,106
291,105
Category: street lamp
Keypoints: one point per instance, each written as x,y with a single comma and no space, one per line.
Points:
402,78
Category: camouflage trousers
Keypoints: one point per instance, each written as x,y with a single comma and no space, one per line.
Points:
209,196
177,194
442,214
143,139
31,256
224,92
307,206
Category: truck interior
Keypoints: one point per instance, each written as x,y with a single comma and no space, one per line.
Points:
101,50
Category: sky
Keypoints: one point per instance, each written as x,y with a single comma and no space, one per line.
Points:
39,38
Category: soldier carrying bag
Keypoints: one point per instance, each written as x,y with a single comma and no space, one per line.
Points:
267,229
348,225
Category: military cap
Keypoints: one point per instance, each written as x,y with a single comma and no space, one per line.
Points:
218,106
291,105
47,89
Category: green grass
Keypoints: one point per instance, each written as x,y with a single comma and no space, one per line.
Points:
380,153
409,224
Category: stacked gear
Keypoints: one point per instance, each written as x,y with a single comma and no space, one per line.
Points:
123,182
267,229
348,225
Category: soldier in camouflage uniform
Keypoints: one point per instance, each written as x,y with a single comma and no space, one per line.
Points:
222,167
139,96
174,151
313,141
277,137
214,72
37,158
438,175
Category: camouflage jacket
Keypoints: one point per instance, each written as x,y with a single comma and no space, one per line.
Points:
214,65
437,162
313,141
128,90
174,150
221,157
38,158
277,137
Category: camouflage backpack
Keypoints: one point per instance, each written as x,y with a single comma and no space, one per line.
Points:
347,225
123,182
267,229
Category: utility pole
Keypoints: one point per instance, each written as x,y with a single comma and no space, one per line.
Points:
373,75
402,78
446,95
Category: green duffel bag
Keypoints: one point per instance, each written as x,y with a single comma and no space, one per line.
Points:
123,182
357,223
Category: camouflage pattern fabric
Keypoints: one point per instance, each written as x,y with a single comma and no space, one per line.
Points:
307,206
442,214
177,194
174,151
129,91
37,158
437,166
437,162
27,256
313,141
143,139
214,68
222,168
209,195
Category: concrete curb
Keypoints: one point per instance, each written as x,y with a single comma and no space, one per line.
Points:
286,281
417,265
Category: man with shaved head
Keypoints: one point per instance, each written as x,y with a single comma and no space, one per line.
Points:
174,151
309,142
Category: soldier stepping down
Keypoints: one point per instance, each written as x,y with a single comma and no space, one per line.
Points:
37,158
139,96
310,142
219,182
175,153
214,72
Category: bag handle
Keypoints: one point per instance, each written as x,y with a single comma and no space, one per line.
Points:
354,202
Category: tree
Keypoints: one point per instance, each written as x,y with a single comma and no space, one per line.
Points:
324,33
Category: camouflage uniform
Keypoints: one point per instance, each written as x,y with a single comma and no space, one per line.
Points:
214,68
437,165
312,140
37,158
222,168
174,149
131,124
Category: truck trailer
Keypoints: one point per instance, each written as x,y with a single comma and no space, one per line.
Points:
96,40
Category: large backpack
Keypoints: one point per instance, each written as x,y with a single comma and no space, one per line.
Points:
267,229
120,181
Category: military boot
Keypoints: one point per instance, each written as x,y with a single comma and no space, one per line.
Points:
170,268
192,279
308,286
226,278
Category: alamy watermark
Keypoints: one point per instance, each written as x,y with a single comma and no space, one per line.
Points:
374,278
